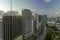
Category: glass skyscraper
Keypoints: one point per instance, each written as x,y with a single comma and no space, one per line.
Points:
12,26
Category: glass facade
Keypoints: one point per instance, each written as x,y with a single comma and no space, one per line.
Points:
12,27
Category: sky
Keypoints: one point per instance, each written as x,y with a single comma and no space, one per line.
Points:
49,7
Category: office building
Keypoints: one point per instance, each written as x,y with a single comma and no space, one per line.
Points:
41,21
26,22
51,22
12,26
58,23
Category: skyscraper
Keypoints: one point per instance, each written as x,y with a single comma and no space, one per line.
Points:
12,26
27,22
40,23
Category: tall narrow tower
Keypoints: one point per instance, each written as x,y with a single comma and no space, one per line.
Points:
26,22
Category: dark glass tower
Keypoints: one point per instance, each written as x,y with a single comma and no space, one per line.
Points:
12,27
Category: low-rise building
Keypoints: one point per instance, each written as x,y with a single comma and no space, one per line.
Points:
51,21
58,23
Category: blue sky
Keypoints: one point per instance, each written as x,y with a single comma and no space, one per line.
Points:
50,7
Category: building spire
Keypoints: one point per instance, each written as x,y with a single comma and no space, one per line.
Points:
11,6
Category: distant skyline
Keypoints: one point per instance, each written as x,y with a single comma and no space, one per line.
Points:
49,7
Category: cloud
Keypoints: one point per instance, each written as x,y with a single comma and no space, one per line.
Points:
41,12
13,12
1,12
56,13
47,0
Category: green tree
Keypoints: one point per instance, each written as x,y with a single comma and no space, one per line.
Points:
49,35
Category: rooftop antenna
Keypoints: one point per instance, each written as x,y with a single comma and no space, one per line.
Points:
11,16
11,6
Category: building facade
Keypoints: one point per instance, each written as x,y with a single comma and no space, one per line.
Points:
26,22
41,21
12,26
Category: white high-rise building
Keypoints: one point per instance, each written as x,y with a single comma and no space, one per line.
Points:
27,22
